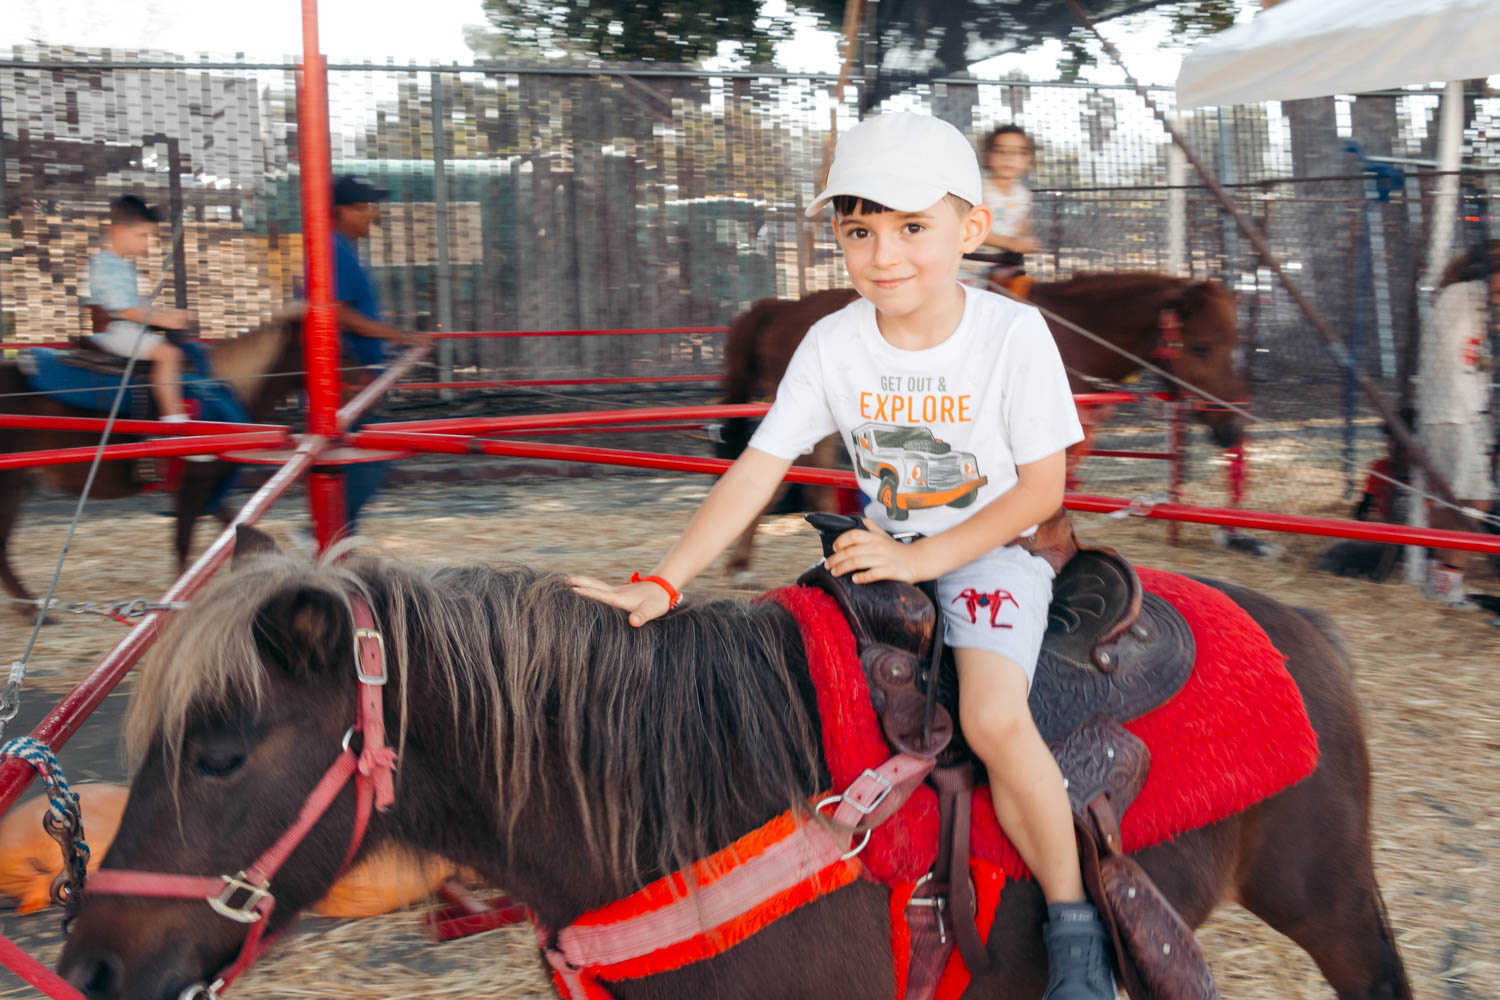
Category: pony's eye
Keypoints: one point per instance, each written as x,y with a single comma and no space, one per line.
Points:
219,763
1200,350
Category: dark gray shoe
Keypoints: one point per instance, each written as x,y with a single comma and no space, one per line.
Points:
1077,954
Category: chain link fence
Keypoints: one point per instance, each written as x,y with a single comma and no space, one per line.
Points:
650,196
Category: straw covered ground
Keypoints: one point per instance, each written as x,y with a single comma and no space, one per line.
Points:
1426,677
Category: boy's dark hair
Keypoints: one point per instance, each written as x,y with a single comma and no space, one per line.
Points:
127,210
995,133
850,204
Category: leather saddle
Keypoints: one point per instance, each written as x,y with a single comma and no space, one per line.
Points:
1111,653
84,353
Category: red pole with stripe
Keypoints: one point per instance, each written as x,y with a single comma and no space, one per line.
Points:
320,331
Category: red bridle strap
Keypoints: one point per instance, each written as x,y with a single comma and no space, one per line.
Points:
1169,348
246,897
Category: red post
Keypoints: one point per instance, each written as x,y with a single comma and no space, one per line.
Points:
320,330
1238,471
1177,445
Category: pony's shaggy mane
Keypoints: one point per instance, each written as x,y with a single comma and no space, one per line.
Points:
551,693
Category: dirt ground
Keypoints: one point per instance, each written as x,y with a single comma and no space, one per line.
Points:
1426,677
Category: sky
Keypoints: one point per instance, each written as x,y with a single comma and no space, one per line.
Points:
377,30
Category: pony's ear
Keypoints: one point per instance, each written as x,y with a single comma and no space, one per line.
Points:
249,542
305,632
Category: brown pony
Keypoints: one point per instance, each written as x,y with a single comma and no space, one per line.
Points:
562,754
1125,308
262,367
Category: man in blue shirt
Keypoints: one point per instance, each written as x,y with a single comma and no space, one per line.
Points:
356,208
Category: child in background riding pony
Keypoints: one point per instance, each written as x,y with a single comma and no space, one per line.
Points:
114,287
1009,154
921,358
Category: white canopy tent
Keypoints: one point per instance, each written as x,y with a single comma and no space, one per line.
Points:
1316,48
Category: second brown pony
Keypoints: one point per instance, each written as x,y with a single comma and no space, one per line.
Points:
261,367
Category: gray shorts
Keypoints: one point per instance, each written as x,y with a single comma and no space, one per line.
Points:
999,602
119,339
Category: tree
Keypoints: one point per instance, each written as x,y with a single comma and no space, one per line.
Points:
1191,20
683,32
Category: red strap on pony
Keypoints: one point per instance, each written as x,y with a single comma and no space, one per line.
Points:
1169,348
696,914
246,897
674,597
376,760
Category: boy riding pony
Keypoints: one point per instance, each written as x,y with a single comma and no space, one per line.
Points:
975,379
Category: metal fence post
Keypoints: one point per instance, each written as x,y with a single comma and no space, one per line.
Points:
440,207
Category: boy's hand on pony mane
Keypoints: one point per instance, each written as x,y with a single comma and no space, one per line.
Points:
644,601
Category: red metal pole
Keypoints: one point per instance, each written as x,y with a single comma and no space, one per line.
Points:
1102,399
64,720
629,332
468,426
528,382
34,973
632,429
1328,527
95,425
202,445
320,329
23,345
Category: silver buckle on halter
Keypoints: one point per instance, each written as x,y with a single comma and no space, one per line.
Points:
853,852
198,991
359,667
245,912
885,789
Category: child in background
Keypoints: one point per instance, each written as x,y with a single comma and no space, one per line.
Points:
114,286
1009,155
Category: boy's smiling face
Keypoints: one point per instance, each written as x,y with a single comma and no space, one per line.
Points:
903,261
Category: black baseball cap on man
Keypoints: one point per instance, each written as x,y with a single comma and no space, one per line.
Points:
351,190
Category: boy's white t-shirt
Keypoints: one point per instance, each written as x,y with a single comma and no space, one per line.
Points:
937,432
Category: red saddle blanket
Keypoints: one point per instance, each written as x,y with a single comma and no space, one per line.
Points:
1235,734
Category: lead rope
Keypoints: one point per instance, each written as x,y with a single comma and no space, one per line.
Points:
63,821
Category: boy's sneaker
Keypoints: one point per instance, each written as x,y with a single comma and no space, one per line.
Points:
1077,954
182,418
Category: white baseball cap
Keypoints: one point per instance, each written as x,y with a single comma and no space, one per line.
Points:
904,161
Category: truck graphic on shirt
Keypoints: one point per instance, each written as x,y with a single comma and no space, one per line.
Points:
915,470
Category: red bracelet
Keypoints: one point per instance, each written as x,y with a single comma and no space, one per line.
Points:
674,598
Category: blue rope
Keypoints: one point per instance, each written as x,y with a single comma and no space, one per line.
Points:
64,806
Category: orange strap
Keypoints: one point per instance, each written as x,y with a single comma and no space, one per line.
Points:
674,597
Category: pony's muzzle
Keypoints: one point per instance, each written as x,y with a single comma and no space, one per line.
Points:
97,975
